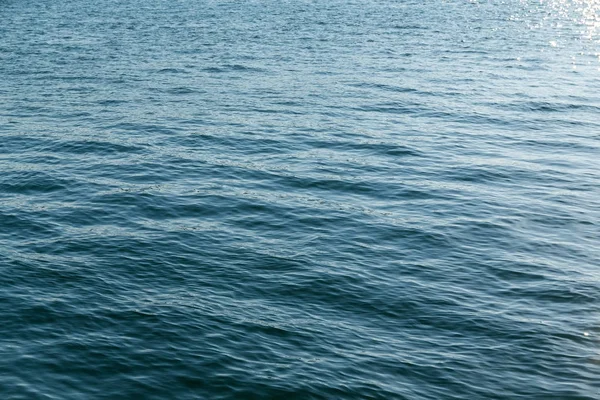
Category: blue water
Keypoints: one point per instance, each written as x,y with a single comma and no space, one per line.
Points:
374,199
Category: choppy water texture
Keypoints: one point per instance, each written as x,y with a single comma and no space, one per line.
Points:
299,199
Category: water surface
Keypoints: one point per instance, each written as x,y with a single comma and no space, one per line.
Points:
299,199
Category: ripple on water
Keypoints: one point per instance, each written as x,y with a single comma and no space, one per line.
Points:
329,200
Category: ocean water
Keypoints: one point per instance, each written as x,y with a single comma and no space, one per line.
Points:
261,199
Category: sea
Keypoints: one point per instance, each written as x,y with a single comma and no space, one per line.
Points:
300,199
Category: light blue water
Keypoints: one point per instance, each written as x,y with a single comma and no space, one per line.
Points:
299,199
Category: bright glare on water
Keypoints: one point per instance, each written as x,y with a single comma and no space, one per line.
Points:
308,199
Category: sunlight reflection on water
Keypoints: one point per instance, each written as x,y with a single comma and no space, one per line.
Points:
570,25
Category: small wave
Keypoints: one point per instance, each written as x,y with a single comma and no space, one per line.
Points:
232,68
94,147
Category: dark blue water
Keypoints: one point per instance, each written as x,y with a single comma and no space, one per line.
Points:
299,199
